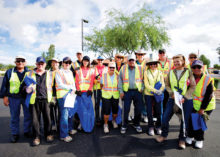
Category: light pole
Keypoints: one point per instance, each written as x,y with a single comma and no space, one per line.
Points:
82,21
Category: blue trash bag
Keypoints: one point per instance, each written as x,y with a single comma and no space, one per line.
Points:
84,108
158,98
198,122
28,81
118,118
71,111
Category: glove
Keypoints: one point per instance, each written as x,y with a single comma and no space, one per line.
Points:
89,92
53,101
205,116
29,89
78,93
158,92
97,77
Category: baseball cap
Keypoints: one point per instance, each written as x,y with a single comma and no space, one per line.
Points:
20,57
40,59
65,59
131,56
197,62
86,58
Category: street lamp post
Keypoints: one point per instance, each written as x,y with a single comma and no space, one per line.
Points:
82,21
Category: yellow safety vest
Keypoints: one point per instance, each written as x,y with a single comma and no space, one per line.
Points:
181,83
15,83
49,84
109,89
84,82
166,69
75,65
138,77
97,84
152,80
59,91
199,93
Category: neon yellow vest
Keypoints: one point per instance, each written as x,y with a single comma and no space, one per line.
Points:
182,83
199,93
96,83
15,83
75,65
138,77
166,69
152,80
49,85
84,82
109,89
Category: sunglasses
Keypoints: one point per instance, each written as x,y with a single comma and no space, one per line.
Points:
140,54
20,61
41,63
161,52
152,64
131,60
196,67
192,57
67,62
120,57
111,67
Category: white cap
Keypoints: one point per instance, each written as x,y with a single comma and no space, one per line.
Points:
20,57
55,59
111,64
79,52
131,56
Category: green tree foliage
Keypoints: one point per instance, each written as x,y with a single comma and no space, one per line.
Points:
49,55
205,60
218,51
123,33
216,66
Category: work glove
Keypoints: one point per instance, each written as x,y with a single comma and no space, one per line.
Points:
97,77
205,116
89,92
29,89
158,92
78,93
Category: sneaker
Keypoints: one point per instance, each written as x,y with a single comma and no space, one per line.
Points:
66,139
129,119
151,131
159,131
138,128
106,130
160,139
115,125
50,138
54,128
154,119
79,127
72,132
14,138
189,141
123,130
36,142
199,144
145,119
182,145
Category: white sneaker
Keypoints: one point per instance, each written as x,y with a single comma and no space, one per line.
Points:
159,131
106,130
115,125
151,131
67,139
79,126
189,140
72,132
199,144
145,119
154,119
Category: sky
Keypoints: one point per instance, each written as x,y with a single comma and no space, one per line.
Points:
28,27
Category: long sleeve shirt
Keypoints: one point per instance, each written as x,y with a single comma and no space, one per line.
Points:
6,85
131,79
84,72
191,86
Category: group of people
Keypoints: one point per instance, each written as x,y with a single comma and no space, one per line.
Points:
150,84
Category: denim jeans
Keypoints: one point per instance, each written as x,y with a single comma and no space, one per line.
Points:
168,113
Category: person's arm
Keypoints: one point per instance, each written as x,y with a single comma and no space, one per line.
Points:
120,82
60,83
167,85
5,85
162,81
192,86
77,80
207,96
92,79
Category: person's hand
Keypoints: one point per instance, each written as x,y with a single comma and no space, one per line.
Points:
78,93
158,92
182,100
172,96
201,111
73,92
29,89
6,101
122,95
89,92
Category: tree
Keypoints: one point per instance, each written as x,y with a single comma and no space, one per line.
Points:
218,51
50,54
123,33
216,66
205,60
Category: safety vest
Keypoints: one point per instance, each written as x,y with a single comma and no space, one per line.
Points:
166,69
181,83
60,92
15,83
198,94
96,73
49,84
138,77
75,65
151,80
84,82
109,89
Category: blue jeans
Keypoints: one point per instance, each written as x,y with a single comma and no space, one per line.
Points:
15,107
136,97
66,122
168,113
149,100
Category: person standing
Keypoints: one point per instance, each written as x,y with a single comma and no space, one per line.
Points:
119,59
13,94
76,65
131,87
153,76
65,84
203,102
110,96
177,81
40,100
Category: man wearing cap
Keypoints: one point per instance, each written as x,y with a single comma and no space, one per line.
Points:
164,66
13,94
131,87
99,69
40,100
76,65
110,96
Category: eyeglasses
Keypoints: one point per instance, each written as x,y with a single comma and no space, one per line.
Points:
152,64
112,68
131,60
196,67
192,57
100,60
119,57
67,62
20,61
162,52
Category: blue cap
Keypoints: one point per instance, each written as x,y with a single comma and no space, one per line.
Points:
65,59
197,62
40,59
100,57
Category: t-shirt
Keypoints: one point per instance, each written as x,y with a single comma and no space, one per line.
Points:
178,73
